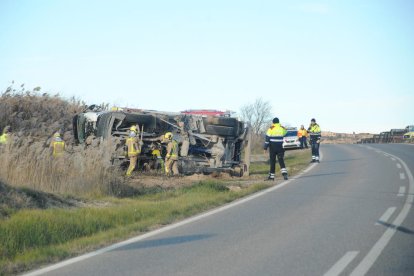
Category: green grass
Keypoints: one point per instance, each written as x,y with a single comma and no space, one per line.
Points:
29,238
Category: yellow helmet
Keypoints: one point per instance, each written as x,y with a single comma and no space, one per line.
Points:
133,128
168,135
57,134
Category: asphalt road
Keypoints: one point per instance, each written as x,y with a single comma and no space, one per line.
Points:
349,215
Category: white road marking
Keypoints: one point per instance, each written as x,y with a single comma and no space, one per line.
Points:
402,176
386,216
393,159
401,192
386,154
340,265
166,228
399,165
369,260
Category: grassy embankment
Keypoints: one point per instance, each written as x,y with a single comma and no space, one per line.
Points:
29,238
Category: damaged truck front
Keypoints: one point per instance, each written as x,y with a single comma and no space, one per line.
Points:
207,143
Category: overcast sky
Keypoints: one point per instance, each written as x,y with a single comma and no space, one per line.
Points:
349,64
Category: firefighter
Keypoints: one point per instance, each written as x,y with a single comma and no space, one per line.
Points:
315,140
274,141
134,149
57,145
157,158
171,158
4,137
303,136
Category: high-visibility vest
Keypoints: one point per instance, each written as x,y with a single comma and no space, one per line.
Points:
133,149
302,133
315,132
58,148
3,138
172,150
275,134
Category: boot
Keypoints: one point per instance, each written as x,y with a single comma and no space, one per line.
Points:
285,176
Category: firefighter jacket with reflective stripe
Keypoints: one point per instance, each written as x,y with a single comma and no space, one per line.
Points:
58,147
172,150
133,148
3,138
314,132
275,135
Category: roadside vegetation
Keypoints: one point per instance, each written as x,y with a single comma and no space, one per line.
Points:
52,209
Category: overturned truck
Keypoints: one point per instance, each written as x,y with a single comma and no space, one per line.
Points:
209,142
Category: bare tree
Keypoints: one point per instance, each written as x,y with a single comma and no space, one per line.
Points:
258,113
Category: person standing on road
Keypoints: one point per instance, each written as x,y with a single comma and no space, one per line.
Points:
303,136
171,158
315,139
133,149
274,141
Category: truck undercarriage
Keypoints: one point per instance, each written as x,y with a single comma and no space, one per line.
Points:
207,143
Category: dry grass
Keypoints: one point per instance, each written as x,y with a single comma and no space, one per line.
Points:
26,161
30,113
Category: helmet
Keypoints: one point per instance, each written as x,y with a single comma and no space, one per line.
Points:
168,135
56,135
133,128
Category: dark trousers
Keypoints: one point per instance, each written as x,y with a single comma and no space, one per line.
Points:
315,150
303,142
279,152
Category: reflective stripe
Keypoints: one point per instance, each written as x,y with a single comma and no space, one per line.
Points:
283,170
276,140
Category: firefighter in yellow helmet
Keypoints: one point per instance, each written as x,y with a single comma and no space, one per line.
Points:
57,145
134,149
5,135
171,158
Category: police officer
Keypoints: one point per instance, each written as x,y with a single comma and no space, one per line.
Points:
315,139
303,134
274,141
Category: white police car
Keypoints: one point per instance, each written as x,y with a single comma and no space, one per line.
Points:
291,139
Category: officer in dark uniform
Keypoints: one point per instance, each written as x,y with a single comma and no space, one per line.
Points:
315,139
274,141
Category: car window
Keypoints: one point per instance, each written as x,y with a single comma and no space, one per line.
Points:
292,133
